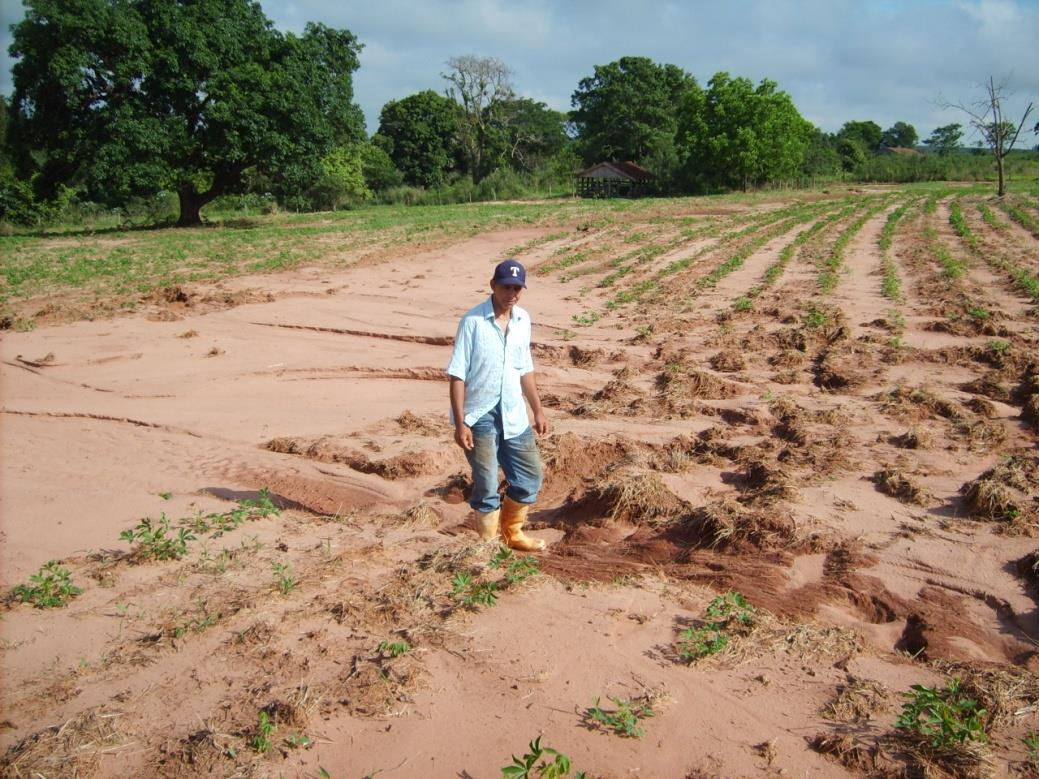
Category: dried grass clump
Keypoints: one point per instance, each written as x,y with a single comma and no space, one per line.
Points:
72,749
585,357
324,449
967,760
857,756
727,524
900,486
678,386
640,498
419,515
839,369
728,361
1030,411
989,386
787,377
766,482
788,358
981,407
916,402
769,635
791,424
413,423
1005,492
857,700
913,438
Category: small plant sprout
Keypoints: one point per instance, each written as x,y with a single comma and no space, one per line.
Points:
944,717
156,541
299,740
473,593
624,720
731,606
743,304
697,643
393,649
262,507
283,578
50,587
165,495
262,742
1031,741
535,764
815,318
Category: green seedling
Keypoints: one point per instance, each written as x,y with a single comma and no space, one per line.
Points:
165,495
283,578
153,541
978,313
299,740
517,569
473,593
944,717
697,643
1031,741
815,318
728,607
50,587
624,720
394,649
743,304
998,346
262,507
534,764
262,742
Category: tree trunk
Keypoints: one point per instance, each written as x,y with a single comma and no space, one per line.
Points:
1001,189
190,207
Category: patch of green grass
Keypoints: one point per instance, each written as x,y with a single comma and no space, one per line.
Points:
815,318
539,763
953,268
393,648
989,217
743,304
586,318
960,226
944,717
50,587
624,719
731,606
1021,216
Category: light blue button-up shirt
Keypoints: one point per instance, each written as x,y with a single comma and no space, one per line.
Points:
490,363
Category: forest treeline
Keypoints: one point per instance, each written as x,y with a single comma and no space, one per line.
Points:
161,108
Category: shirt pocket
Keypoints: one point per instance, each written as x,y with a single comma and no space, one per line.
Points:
517,356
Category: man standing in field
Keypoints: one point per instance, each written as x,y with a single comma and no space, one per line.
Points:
491,373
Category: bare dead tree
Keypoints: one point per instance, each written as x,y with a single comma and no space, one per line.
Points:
987,116
481,86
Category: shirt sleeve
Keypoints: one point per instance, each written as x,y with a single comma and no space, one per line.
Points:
460,357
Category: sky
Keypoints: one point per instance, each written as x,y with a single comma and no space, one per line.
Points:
840,60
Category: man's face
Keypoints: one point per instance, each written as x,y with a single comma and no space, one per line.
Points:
505,295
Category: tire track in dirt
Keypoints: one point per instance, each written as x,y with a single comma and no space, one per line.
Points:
432,340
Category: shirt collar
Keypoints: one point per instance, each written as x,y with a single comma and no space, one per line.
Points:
488,310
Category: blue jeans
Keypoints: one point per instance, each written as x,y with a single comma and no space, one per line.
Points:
518,458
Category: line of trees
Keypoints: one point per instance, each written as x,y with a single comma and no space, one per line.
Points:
117,101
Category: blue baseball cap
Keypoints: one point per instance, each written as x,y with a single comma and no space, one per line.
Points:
510,272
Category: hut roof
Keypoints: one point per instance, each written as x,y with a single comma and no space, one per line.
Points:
623,170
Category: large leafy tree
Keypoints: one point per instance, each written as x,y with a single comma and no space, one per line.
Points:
627,110
945,139
900,134
419,133
130,97
530,132
865,133
737,135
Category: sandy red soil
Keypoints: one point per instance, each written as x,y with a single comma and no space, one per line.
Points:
696,448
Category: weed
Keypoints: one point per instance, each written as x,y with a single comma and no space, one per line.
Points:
624,720
473,593
48,588
743,304
730,606
978,313
815,318
394,649
998,346
1032,742
517,569
529,767
586,319
154,541
283,578
165,495
697,643
262,507
198,624
948,716
299,740
262,742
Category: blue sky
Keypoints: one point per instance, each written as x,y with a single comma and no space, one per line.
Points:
839,59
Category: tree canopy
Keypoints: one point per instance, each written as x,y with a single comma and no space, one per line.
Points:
945,139
419,132
130,97
627,110
737,135
900,134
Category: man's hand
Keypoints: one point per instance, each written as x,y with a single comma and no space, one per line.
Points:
464,437
540,422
